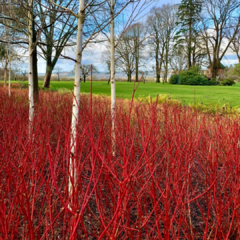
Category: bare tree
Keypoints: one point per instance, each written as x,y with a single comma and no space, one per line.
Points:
59,28
154,26
5,34
168,32
86,70
16,18
235,45
100,24
125,56
161,28
178,59
57,70
217,16
137,32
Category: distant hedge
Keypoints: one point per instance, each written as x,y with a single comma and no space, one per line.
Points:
227,82
192,77
173,79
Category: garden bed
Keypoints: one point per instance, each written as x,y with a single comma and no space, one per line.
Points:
174,174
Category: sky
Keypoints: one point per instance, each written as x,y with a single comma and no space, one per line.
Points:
94,54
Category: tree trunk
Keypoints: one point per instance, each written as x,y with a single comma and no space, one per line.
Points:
76,98
49,65
30,74
112,77
214,68
194,55
9,79
136,66
157,72
160,67
129,75
47,78
9,57
5,70
214,72
157,65
161,61
166,63
34,62
49,68
6,55
136,59
35,75
189,46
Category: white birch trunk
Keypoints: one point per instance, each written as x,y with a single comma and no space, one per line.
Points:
9,55
5,67
9,79
6,53
113,85
76,99
30,66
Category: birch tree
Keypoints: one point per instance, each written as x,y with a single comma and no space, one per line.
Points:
9,72
16,18
30,64
5,34
112,72
76,99
80,45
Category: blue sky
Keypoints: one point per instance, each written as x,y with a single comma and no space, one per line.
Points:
93,55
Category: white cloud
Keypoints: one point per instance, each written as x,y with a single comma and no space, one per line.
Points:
91,55
227,62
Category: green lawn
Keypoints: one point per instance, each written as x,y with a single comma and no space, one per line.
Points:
203,94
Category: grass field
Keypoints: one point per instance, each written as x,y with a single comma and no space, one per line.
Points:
203,94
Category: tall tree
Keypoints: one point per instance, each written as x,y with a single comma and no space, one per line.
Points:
235,45
86,70
137,33
112,72
16,19
76,100
5,34
188,16
154,27
168,32
178,59
161,27
125,55
59,28
217,16
30,68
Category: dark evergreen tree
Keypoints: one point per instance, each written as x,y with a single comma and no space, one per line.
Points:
188,16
